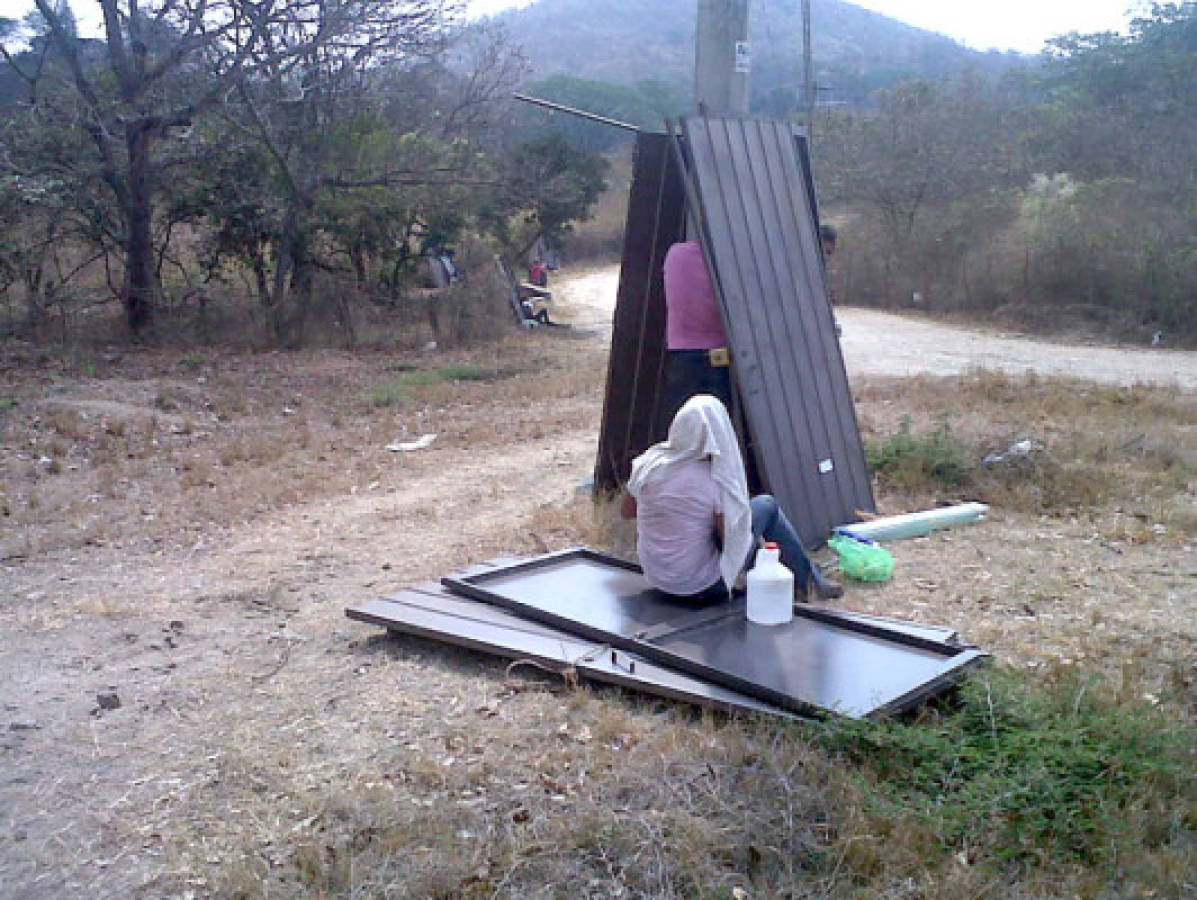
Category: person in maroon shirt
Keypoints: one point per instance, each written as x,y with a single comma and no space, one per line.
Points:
696,346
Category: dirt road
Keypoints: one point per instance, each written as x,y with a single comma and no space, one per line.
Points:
882,343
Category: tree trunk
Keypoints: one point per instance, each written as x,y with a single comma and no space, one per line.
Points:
261,283
357,257
141,278
34,300
292,286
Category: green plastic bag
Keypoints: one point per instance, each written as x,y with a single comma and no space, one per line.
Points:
864,562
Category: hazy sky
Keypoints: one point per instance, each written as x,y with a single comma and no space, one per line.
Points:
1004,24
1007,25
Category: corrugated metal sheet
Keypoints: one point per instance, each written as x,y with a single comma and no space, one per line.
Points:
432,612
821,662
762,246
631,407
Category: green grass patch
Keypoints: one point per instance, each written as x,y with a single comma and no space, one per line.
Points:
393,393
7,403
193,361
1028,774
912,461
1092,444
468,373
406,386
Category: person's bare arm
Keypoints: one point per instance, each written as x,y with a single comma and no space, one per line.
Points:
628,508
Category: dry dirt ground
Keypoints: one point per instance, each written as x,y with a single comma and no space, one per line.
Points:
182,536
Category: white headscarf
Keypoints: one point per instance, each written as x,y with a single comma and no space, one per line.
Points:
700,429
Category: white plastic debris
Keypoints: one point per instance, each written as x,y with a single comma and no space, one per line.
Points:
907,525
424,440
1017,450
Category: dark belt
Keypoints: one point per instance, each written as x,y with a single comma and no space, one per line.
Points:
717,357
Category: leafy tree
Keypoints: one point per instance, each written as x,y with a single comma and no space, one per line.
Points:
1122,115
164,64
368,150
925,149
546,186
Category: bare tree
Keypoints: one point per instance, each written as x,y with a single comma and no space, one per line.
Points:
308,108
172,60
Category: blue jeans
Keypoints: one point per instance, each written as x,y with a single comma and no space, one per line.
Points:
770,523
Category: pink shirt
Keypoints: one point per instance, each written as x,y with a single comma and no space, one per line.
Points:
675,531
692,319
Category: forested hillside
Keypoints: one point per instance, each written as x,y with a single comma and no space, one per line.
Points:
1064,197
856,51
232,169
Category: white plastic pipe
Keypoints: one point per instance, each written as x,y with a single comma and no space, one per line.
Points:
907,525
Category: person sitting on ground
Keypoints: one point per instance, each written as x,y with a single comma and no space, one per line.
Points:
696,526
536,312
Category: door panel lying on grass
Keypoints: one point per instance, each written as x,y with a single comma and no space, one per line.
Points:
432,612
821,663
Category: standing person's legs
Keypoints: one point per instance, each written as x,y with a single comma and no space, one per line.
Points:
770,523
716,381
689,372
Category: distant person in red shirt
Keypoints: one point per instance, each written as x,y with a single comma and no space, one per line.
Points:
696,345
538,274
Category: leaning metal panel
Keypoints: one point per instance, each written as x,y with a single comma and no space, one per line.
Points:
635,373
819,663
763,248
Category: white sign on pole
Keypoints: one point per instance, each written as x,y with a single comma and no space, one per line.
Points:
743,57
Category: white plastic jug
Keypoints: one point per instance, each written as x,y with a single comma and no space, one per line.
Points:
770,589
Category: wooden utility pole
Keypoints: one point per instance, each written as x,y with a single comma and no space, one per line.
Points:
722,58
808,79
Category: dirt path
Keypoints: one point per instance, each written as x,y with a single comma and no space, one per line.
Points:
216,653
881,343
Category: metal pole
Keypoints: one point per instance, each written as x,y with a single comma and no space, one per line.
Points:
722,58
559,107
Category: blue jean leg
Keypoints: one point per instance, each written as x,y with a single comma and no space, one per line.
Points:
770,523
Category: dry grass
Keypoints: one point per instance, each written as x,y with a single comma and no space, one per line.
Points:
227,443
1093,446
266,747
608,796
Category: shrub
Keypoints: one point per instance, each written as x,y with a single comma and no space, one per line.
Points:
1019,772
909,461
